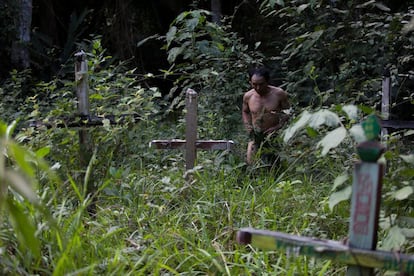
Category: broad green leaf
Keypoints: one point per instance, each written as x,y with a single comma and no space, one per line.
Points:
192,24
312,39
409,26
403,193
324,117
339,196
311,132
106,124
10,129
339,180
96,96
173,53
394,239
351,111
268,3
20,156
220,46
408,158
357,133
408,232
182,15
366,4
21,185
24,227
366,109
171,34
3,128
332,139
407,172
166,180
302,7
408,132
382,7
300,124
40,153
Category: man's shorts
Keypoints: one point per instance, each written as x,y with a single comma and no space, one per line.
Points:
266,145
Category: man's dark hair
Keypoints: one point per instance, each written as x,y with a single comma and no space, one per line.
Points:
260,71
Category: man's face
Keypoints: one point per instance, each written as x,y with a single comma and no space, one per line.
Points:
259,84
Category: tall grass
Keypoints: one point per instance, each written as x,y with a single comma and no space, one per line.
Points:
151,216
150,220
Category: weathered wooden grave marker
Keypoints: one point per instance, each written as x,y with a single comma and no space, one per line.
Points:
359,253
387,121
385,100
82,93
85,139
191,144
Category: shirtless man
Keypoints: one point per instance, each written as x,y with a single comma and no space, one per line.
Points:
262,110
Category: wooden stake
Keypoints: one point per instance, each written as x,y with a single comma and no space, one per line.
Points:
190,129
85,140
385,103
366,196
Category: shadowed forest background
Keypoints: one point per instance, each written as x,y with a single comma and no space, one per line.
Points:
147,218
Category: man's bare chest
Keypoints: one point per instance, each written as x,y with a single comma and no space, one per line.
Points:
260,105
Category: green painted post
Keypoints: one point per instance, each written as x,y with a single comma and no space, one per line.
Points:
360,252
366,195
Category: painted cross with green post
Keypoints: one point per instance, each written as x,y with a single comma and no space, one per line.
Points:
359,252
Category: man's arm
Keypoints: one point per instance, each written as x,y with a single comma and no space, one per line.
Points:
283,118
285,101
246,115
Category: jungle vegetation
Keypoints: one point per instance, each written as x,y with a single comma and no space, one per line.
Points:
149,217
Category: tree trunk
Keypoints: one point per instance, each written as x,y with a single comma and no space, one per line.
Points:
216,10
20,51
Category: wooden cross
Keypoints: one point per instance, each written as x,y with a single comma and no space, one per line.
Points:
359,252
386,104
191,144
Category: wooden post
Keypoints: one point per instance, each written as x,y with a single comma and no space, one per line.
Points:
82,93
190,129
82,88
385,102
363,227
85,140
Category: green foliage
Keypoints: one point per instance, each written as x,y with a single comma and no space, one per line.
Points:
338,136
340,49
212,60
19,199
149,219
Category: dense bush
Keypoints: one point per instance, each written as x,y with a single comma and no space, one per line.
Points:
336,52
